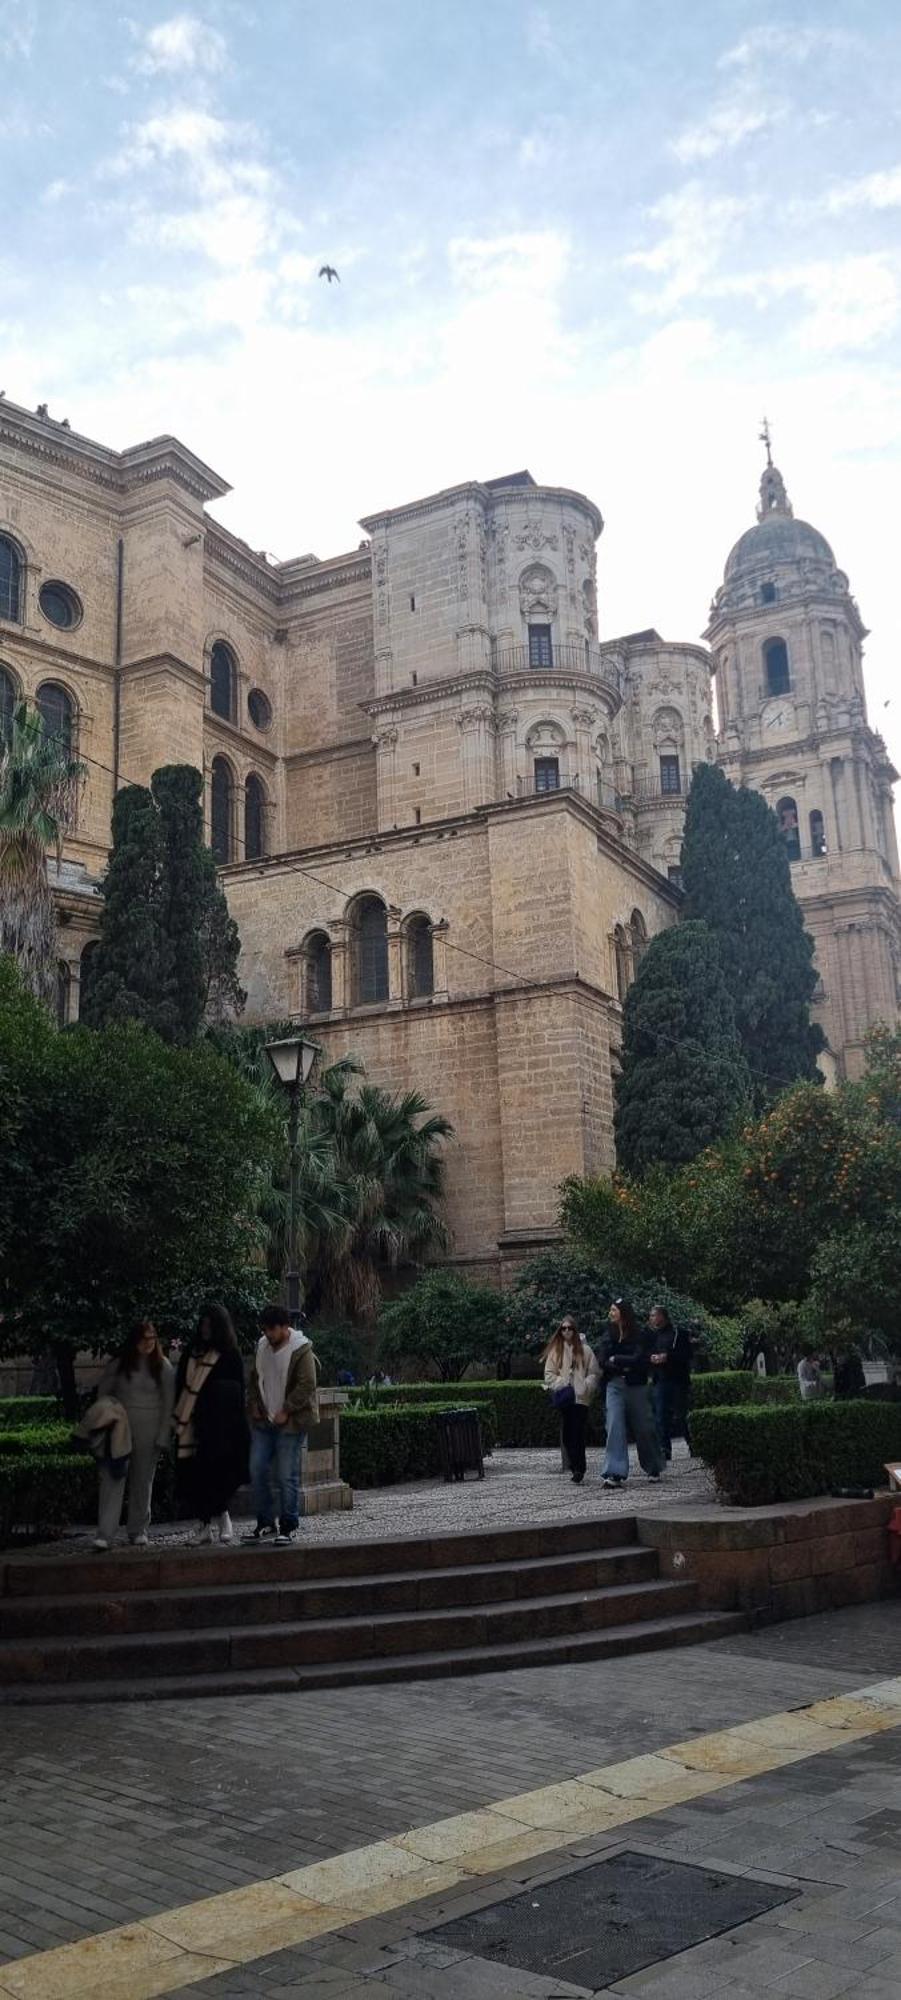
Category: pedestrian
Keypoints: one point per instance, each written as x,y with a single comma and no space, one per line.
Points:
282,1403
142,1381
211,1425
624,1359
848,1377
571,1377
810,1381
671,1364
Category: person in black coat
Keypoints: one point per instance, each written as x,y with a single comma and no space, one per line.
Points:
671,1377
211,1426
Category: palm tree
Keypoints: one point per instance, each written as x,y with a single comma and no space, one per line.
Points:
39,781
388,1157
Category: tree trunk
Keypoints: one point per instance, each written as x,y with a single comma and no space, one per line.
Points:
65,1368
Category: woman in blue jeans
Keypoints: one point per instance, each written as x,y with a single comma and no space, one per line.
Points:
281,1404
625,1360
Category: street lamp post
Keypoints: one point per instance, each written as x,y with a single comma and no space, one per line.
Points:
292,1059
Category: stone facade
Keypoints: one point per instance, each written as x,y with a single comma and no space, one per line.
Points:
448,815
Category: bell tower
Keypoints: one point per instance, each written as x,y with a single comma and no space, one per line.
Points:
787,640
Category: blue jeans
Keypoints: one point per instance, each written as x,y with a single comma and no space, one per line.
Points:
275,1456
629,1409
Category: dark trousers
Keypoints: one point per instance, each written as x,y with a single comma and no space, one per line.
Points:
671,1401
573,1429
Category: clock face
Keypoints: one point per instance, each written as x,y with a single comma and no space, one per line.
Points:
777,717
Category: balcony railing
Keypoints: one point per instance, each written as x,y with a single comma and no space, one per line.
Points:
596,793
646,790
566,658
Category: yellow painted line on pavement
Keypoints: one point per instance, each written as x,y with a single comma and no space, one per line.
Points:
178,1948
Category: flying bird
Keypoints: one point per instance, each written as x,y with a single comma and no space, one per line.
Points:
328,271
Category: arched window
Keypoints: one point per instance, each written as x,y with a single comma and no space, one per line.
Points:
420,958
10,580
57,710
86,970
63,993
318,974
254,818
787,815
221,811
775,662
7,703
547,774
817,835
638,935
370,980
621,962
223,681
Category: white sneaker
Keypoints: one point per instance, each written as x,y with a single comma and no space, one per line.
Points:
100,1543
139,1541
226,1531
202,1535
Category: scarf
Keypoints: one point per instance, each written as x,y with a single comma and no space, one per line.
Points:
197,1374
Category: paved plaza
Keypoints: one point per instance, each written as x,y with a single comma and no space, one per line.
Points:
358,1843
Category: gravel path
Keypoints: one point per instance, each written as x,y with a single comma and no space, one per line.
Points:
519,1487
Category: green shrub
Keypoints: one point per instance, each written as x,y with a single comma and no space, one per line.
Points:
382,1447
761,1455
55,1487
35,1439
16,1411
734,1387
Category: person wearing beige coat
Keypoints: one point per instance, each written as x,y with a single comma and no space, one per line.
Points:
571,1377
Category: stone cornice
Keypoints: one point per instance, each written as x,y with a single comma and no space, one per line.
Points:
493,499
329,753
484,680
48,441
165,663
806,598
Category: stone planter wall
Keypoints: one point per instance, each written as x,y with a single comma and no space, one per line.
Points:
780,1562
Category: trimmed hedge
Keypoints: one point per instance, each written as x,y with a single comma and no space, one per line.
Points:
46,1490
35,1439
526,1417
16,1412
400,1442
759,1456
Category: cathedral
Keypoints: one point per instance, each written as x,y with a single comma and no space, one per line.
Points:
447,811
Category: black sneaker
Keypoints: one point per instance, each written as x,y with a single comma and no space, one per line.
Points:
285,1537
263,1532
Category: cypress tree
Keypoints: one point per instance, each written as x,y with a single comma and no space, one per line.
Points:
220,943
737,879
178,795
683,1078
131,966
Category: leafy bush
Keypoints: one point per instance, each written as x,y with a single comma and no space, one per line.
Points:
721,1342
736,1387
526,1418
761,1455
382,1447
563,1281
17,1411
34,1440
446,1321
51,1487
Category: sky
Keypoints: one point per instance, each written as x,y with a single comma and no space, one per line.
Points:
596,238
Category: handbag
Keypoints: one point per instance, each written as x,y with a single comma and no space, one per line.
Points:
561,1398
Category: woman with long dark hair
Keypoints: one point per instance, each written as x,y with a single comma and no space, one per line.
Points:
625,1359
211,1424
141,1379
571,1378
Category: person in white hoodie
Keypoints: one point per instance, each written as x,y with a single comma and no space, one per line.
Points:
281,1405
571,1377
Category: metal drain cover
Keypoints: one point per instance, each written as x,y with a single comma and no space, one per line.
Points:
600,1923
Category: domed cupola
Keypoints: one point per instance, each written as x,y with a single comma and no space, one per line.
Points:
780,556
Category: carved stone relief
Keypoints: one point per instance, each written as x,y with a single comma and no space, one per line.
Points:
538,593
534,536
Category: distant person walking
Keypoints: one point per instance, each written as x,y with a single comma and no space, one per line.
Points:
671,1365
848,1376
142,1381
211,1425
282,1404
571,1377
625,1363
810,1381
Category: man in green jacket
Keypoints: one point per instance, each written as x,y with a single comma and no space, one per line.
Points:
281,1405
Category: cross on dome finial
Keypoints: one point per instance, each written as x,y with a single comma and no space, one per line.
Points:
773,497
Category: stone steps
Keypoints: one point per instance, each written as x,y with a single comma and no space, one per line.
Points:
177,1622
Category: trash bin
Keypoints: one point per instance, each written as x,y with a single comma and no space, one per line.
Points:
460,1444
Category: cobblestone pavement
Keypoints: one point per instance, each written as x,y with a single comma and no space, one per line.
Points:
110,1813
519,1487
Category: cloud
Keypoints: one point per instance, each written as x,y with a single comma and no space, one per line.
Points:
848,303
789,44
697,227
879,191
181,43
735,118
18,20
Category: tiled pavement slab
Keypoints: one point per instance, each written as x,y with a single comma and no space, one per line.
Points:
111,1815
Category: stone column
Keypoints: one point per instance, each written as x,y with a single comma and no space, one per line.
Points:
341,996
395,958
439,957
385,741
476,726
584,720
507,723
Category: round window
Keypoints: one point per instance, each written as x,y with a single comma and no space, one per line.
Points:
60,605
259,708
